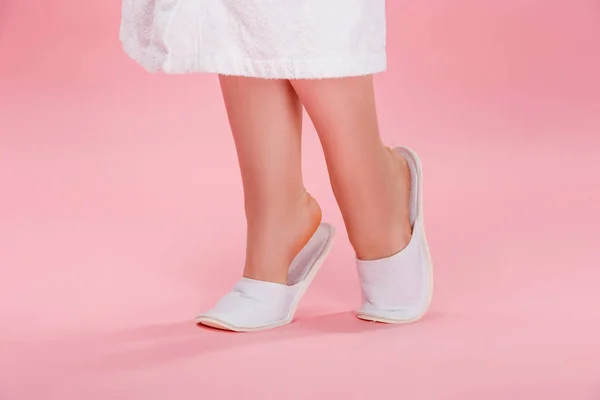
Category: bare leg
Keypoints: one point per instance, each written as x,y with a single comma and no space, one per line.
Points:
266,120
371,183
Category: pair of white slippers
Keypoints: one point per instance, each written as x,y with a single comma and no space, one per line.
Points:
395,290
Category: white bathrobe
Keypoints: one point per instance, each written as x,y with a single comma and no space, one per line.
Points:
281,39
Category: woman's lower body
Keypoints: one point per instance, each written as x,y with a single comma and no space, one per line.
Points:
275,58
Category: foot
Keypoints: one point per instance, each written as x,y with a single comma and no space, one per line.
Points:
397,233
273,245
398,289
254,305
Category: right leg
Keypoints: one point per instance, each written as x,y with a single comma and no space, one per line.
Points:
373,186
266,121
370,182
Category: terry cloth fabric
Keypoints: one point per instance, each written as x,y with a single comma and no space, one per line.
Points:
279,39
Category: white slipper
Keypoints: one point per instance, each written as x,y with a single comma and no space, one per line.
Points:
255,305
398,289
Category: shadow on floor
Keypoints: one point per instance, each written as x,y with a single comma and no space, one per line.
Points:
153,345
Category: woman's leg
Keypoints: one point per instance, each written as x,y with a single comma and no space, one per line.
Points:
266,121
371,183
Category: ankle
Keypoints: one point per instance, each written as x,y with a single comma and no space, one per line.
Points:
395,243
304,223
275,239
312,210
387,238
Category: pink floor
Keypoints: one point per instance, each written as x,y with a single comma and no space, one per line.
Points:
121,217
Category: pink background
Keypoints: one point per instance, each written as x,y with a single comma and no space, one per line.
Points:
121,216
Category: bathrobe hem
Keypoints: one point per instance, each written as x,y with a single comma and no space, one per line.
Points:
224,64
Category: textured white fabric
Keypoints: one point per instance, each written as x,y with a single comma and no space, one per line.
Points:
254,305
284,39
398,288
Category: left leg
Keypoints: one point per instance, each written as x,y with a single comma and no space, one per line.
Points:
265,118
266,122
